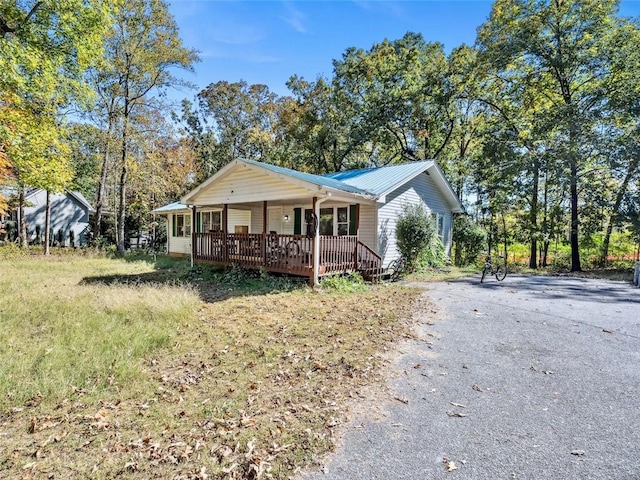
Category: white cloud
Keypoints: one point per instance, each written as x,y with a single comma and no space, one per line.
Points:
294,17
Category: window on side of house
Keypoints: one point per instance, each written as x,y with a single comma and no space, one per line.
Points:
182,227
439,221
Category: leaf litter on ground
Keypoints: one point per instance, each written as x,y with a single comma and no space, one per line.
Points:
247,387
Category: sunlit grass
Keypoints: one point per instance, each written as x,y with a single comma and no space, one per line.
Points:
114,368
59,334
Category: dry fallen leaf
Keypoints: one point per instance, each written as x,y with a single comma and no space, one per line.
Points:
451,466
577,452
456,414
606,330
458,405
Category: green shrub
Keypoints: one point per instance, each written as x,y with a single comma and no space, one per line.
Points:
10,251
415,232
345,283
432,256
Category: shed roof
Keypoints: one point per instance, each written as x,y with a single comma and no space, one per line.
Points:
171,207
9,191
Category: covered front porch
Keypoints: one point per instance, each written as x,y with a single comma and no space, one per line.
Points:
219,237
290,254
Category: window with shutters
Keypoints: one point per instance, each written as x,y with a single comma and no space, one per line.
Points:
333,221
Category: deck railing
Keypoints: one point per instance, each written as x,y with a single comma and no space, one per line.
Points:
275,252
287,253
369,263
338,254
282,253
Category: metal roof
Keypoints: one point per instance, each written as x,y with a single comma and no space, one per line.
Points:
379,180
171,207
320,180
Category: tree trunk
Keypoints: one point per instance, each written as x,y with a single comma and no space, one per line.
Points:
631,170
122,191
504,239
545,221
533,218
47,224
575,245
97,226
22,227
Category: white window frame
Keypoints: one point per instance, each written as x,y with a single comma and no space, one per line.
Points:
184,230
439,218
336,224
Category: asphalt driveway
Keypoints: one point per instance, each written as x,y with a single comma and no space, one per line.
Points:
530,378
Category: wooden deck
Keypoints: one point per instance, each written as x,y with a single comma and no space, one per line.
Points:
290,254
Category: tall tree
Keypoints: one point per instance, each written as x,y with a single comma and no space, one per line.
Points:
623,122
141,50
398,96
558,46
43,52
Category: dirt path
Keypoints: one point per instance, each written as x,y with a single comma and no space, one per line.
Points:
531,378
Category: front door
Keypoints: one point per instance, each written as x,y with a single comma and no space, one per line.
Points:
275,219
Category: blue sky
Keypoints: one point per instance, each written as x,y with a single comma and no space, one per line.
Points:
266,42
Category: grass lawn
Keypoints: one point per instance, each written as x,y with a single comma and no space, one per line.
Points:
132,369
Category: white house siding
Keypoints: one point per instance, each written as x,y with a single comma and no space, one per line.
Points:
239,217
177,245
66,215
240,186
256,218
367,226
420,189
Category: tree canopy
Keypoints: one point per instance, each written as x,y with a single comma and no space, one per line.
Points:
536,125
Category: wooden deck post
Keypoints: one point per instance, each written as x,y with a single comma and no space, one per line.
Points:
265,221
316,244
194,235
225,231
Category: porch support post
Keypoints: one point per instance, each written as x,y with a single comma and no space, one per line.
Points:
316,243
194,235
265,221
358,220
225,231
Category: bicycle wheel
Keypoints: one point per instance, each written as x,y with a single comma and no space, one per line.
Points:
292,249
484,273
501,272
395,269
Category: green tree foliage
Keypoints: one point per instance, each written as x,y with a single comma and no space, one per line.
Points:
43,52
319,129
470,240
399,98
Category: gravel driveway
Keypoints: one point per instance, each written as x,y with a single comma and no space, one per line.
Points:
530,378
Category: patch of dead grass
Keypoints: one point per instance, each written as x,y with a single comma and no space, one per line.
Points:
250,387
